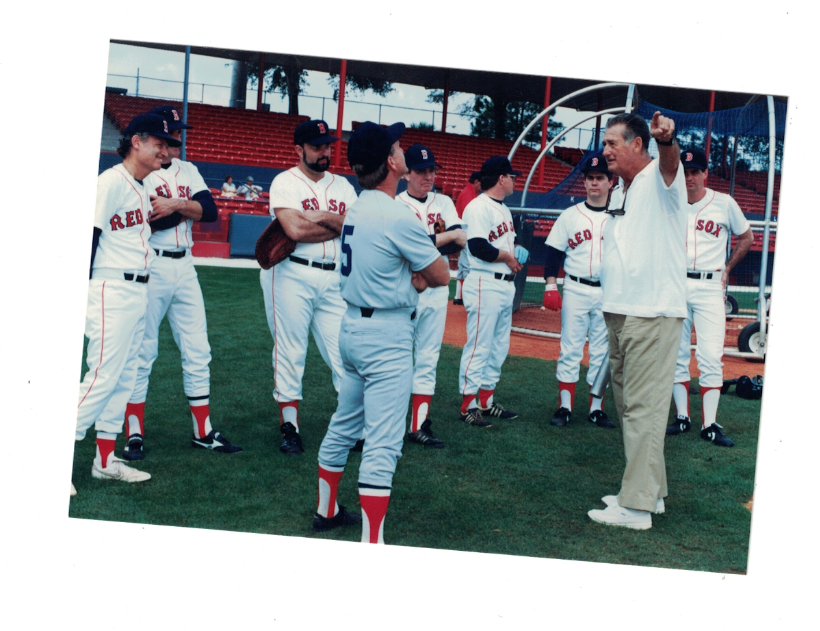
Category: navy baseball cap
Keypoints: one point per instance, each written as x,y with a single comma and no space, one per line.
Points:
694,159
498,165
150,124
313,132
418,157
171,116
596,162
369,146
475,175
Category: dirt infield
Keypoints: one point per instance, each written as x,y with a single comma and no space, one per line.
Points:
549,348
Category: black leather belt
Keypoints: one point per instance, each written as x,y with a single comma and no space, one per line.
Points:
367,312
137,279
171,255
702,275
323,266
584,281
508,277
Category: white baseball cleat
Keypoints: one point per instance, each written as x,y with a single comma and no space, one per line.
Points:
611,500
73,490
616,515
118,470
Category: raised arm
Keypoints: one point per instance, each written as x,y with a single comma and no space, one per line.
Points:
662,129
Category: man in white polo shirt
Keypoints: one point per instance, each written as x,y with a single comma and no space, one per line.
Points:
644,281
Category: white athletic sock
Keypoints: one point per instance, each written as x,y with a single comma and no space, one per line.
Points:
680,393
290,413
201,417
566,399
595,404
711,399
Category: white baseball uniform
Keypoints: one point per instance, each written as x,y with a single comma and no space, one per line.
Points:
174,289
431,313
117,299
710,223
302,292
578,232
488,294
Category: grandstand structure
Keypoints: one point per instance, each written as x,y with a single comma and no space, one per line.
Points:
243,142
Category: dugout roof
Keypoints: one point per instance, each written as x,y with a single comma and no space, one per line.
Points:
515,87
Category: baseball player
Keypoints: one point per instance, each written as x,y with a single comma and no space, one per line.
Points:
439,219
179,196
118,291
470,191
488,292
388,258
302,292
249,189
711,218
578,236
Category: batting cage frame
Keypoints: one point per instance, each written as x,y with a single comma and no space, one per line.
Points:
747,317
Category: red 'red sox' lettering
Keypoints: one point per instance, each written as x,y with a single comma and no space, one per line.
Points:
163,190
710,227
500,230
310,204
184,192
132,218
580,237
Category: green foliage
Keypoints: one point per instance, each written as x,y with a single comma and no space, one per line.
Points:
422,125
497,118
381,87
289,81
519,487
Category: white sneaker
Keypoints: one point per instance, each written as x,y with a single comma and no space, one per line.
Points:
609,500
118,470
73,490
616,515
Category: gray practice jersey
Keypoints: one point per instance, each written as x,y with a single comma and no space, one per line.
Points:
382,241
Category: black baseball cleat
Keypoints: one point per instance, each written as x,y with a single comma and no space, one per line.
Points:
497,411
679,425
358,447
473,417
134,448
714,434
291,441
561,417
424,436
216,442
600,418
342,518
458,302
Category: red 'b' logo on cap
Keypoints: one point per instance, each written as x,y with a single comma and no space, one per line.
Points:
165,125
424,153
594,162
176,116
321,128
689,156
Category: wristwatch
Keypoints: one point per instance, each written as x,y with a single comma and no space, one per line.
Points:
668,143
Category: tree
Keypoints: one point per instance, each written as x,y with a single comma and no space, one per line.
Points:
361,85
422,125
494,117
288,80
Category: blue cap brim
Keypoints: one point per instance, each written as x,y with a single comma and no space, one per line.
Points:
395,131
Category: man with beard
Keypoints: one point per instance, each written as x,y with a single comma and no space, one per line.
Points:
302,292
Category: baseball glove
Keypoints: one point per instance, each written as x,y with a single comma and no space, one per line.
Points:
439,226
273,245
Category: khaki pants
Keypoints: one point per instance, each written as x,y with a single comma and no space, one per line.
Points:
642,356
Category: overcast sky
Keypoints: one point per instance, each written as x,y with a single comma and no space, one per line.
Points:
162,72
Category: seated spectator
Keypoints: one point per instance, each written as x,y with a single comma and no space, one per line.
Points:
249,189
229,188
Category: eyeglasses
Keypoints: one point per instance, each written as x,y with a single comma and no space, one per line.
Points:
512,177
616,211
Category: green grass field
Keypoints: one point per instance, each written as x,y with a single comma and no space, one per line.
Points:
520,487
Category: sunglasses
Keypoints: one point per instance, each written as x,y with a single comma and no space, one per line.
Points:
616,211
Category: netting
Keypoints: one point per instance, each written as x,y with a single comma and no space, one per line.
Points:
738,165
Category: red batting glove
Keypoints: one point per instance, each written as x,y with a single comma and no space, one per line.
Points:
552,299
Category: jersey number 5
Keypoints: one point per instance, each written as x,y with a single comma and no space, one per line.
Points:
347,253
